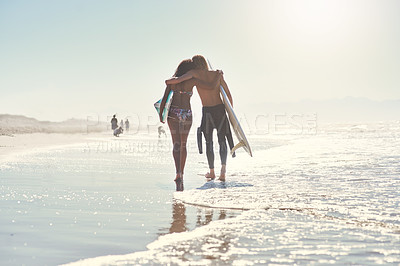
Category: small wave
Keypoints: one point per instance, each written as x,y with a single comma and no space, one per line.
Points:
261,237
223,185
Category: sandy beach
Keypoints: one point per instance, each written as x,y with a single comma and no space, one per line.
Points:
102,200
20,134
314,86
66,197
17,144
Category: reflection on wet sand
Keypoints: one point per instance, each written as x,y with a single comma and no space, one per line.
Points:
203,217
208,216
178,223
216,245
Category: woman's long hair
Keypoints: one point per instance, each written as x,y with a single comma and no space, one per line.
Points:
184,67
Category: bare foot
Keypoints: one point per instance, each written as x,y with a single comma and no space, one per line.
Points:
178,175
223,174
179,184
210,175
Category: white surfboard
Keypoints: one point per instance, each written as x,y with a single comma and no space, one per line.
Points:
243,143
166,107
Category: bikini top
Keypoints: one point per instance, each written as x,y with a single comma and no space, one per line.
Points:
189,93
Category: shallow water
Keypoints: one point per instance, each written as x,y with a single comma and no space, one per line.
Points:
108,196
329,197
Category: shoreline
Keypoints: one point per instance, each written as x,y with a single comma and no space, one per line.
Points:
83,208
118,205
16,144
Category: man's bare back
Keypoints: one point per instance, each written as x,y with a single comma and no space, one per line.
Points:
208,97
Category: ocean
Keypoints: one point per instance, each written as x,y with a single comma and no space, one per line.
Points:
330,196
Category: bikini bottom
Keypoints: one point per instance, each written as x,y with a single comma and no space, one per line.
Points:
182,114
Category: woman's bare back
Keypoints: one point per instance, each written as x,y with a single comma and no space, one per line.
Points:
182,93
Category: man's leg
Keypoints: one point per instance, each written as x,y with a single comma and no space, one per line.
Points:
208,135
222,129
223,153
210,154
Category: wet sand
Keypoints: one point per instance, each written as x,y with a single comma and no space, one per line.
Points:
71,197
12,145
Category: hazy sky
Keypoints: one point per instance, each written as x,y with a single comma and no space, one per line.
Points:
63,59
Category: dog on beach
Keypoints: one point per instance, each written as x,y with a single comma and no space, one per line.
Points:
118,131
161,131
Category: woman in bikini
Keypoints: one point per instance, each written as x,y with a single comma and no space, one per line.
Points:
180,115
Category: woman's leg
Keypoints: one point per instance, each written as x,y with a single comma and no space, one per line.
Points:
176,141
184,133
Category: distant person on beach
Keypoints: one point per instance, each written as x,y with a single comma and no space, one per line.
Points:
180,116
121,124
114,123
127,125
118,131
214,116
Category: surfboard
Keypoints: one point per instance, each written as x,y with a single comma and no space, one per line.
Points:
243,143
166,107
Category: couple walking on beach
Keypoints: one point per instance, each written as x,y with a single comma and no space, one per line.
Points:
190,73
